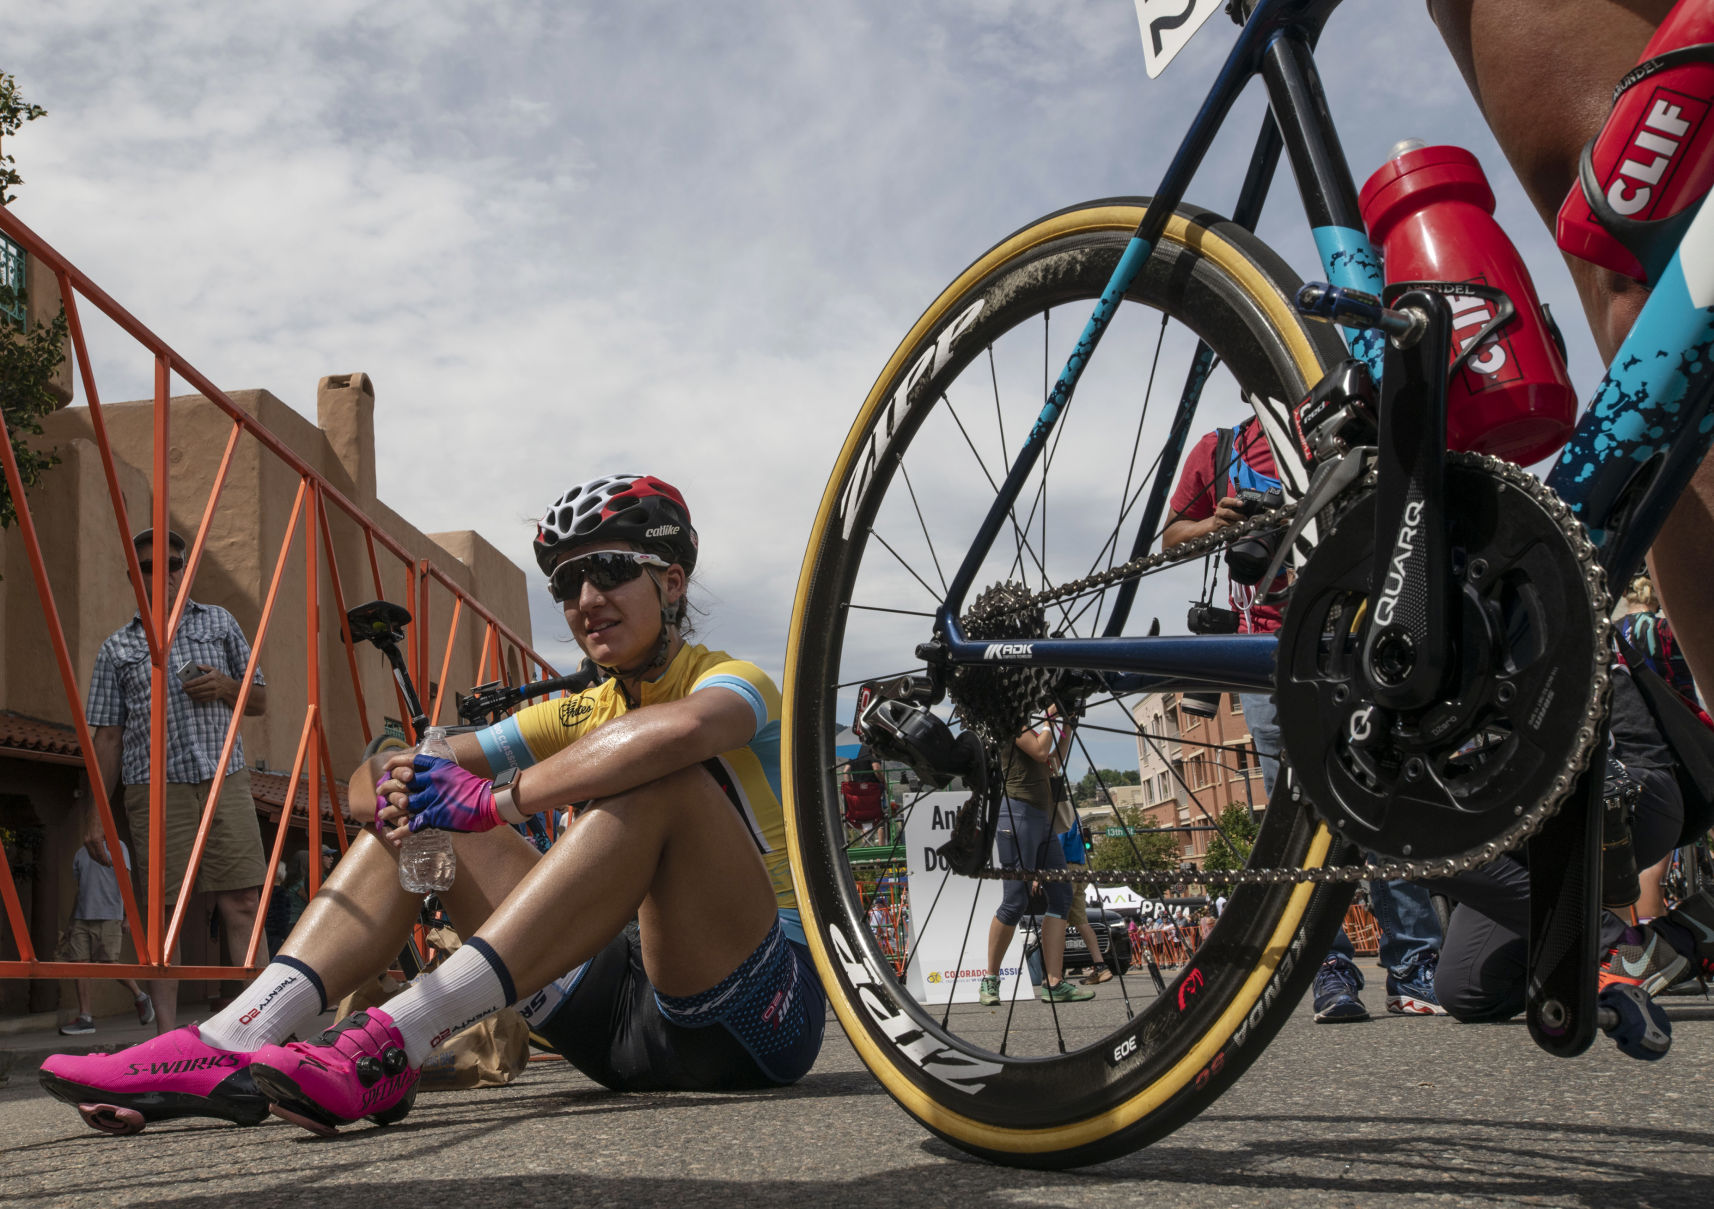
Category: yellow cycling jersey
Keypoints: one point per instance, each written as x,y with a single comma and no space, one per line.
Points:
750,774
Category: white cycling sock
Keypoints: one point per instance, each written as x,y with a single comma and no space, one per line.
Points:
285,999
469,986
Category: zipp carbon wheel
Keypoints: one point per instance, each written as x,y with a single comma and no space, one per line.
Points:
901,946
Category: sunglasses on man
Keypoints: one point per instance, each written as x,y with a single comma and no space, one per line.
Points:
606,569
147,566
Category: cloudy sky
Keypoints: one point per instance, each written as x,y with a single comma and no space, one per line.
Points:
569,238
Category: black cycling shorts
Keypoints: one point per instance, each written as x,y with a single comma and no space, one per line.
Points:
612,1029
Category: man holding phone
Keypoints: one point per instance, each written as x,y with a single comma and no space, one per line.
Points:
209,654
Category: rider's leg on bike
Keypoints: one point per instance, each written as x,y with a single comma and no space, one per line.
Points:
1543,72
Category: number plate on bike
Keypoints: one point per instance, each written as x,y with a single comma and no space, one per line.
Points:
1167,25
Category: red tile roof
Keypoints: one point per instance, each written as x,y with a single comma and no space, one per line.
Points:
269,790
32,734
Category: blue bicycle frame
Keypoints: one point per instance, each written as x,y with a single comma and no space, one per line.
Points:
1631,455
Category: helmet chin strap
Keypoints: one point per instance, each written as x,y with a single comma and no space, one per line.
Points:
661,654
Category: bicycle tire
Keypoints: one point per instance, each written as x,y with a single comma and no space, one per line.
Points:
1163,1066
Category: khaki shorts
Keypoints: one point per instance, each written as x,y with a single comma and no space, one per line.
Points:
90,940
231,860
1079,913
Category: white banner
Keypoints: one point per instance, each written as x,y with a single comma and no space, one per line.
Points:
951,936
1115,898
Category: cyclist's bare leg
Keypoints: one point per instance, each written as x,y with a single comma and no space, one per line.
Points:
354,928
667,852
674,853
1543,72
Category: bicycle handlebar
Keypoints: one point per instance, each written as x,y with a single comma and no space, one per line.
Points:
486,700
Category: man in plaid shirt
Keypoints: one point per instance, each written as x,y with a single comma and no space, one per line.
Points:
211,652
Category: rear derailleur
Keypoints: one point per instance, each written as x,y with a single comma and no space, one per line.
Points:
894,721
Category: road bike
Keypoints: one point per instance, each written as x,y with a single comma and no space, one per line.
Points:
980,554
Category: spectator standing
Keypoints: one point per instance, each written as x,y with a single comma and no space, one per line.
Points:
1025,840
208,656
1076,849
95,934
1206,499
1645,632
1646,628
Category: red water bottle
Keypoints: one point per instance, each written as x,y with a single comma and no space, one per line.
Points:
1641,179
1431,213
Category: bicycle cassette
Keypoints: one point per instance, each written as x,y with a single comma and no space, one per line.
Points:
1477,771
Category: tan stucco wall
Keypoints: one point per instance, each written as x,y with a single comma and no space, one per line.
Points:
83,555
248,525
42,305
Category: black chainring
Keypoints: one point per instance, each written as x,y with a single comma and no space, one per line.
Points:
1487,763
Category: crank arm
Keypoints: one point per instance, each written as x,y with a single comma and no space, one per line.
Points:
1407,652
1565,884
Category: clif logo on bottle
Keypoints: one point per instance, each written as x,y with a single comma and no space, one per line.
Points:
1653,161
1492,363
1638,185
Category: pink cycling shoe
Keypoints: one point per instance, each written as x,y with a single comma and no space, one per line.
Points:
355,1069
174,1075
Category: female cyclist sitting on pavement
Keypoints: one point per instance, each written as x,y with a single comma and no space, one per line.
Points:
673,765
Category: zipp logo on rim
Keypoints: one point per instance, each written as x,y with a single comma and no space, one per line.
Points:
955,1069
887,424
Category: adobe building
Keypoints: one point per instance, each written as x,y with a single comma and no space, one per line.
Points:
1195,765
43,786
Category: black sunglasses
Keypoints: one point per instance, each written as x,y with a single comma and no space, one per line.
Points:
148,565
606,569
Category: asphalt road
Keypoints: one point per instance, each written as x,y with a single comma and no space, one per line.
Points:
1395,1110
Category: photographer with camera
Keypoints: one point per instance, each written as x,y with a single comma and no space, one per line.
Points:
1229,476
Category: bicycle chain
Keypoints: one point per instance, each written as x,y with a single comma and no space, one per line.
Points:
1529,820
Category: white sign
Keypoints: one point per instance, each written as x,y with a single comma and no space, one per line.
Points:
951,954
1167,25
1115,898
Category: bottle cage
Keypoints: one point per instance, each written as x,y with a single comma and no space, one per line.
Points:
1504,311
1651,240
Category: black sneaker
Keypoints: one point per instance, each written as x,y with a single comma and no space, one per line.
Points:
1643,957
1337,984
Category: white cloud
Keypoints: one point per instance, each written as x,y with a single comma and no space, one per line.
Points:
675,237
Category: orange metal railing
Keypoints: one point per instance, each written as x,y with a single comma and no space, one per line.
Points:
152,933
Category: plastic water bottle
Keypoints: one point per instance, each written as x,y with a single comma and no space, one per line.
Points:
1431,212
427,862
